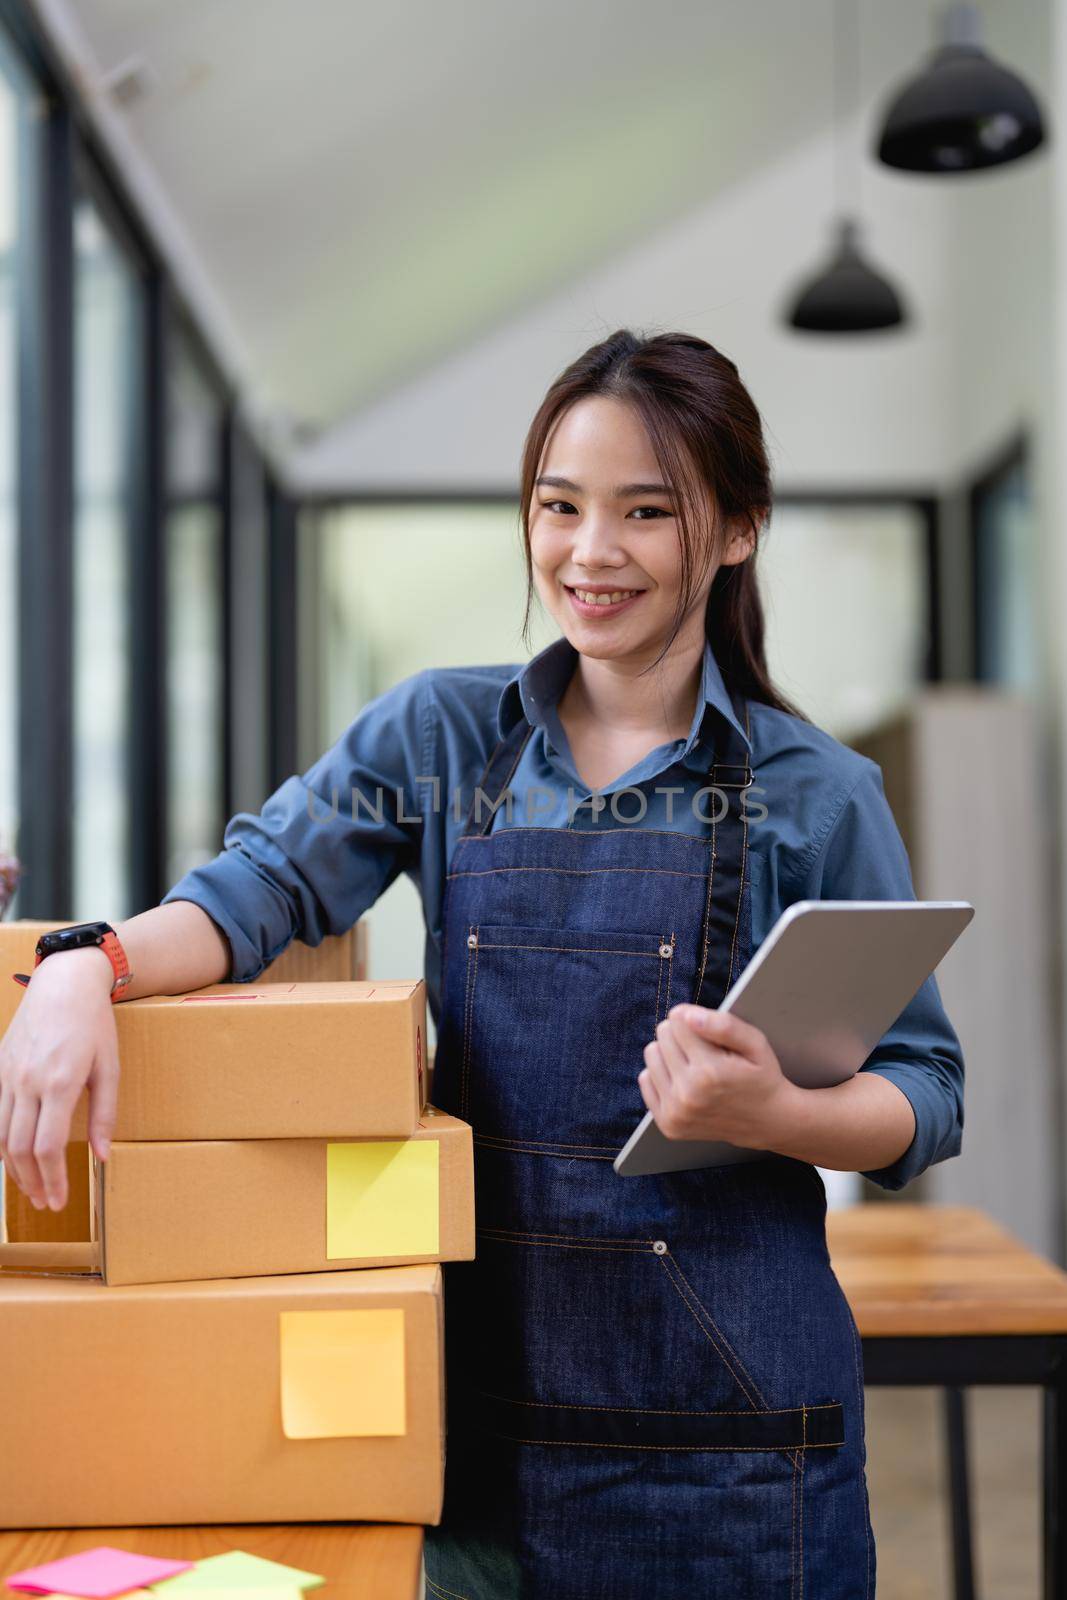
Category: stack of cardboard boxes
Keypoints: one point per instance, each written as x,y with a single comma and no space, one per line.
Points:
249,1328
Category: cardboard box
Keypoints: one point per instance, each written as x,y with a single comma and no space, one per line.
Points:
271,1061
18,942
22,1220
168,1212
221,1402
338,958
343,958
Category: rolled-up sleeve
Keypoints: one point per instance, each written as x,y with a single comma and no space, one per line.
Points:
326,843
864,858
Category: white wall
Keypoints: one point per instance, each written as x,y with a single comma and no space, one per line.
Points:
856,412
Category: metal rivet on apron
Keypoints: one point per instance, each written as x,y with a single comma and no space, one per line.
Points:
472,940
666,949
659,1247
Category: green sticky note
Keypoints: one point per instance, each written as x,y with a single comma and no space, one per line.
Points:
342,1373
382,1198
236,1569
259,1591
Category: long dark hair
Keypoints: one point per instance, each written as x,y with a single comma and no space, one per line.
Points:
707,436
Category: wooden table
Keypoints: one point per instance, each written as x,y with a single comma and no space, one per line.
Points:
374,1561
945,1296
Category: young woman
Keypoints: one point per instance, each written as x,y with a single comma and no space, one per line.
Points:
654,1384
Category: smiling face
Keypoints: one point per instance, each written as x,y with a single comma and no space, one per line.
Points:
605,543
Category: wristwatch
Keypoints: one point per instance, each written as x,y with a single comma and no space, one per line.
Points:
79,938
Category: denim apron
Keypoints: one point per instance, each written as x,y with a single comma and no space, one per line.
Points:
653,1384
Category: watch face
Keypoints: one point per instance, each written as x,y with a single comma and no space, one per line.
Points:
84,933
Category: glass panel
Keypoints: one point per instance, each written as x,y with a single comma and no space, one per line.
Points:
106,359
845,583
1005,537
194,589
393,580
249,621
12,89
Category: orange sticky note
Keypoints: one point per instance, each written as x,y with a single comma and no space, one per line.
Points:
342,1373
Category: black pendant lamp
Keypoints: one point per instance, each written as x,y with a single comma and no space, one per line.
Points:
964,112
848,295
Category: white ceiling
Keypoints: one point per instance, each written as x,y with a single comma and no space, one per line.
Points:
360,190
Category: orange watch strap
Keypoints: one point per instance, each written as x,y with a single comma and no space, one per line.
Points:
120,966
112,947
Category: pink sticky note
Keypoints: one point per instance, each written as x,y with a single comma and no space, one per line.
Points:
96,1574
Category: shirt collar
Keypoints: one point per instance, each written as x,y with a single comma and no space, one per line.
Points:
535,690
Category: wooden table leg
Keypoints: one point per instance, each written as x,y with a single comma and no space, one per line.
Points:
959,1493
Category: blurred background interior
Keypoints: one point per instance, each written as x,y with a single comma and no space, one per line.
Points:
280,287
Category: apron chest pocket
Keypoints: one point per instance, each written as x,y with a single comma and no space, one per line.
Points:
568,1083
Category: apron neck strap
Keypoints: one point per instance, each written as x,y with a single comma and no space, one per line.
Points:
495,778
726,930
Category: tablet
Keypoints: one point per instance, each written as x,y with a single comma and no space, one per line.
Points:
825,986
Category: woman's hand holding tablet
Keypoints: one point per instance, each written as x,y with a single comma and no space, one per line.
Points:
824,987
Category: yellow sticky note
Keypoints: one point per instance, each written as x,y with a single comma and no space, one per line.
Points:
342,1373
382,1198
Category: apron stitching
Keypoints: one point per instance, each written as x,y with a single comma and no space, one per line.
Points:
559,1242
577,949
567,1238
859,1397
740,896
740,1375
658,1411
800,1496
746,1449
562,1244
667,833
472,975
552,1144
697,1301
551,1155
584,872
793,1537
670,974
452,1593
707,916
659,980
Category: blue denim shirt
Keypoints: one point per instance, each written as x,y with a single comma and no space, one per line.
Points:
391,796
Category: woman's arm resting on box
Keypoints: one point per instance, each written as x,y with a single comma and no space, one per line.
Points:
62,1038
327,843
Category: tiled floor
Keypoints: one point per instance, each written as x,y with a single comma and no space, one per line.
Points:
907,1481
906,1475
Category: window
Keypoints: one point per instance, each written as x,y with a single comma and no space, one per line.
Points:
107,368
14,95
847,582
391,581
1004,536
195,595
